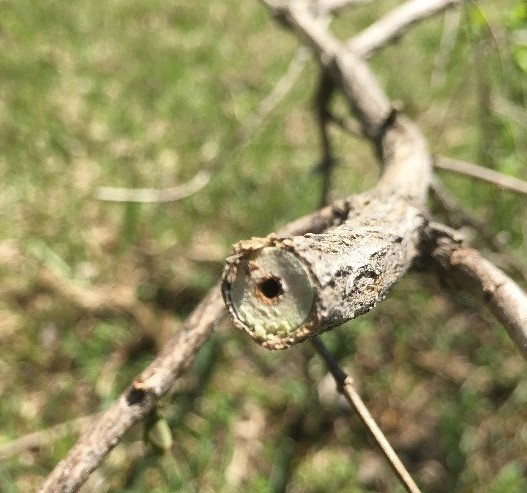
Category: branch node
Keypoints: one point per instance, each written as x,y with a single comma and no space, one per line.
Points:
135,396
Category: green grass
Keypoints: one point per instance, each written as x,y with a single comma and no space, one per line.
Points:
144,94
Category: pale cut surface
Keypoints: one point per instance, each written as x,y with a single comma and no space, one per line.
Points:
272,292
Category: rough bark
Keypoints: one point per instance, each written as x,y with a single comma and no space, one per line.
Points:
155,381
467,270
282,290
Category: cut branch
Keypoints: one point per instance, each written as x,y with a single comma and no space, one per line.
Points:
403,186
156,380
282,290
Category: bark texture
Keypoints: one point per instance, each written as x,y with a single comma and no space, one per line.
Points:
469,271
156,380
348,268
138,400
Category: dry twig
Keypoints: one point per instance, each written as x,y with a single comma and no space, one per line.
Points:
346,387
242,138
138,400
391,26
489,175
42,438
459,216
327,162
469,271
155,195
446,45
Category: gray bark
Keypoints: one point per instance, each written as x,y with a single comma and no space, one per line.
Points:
466,269
321,280
282,290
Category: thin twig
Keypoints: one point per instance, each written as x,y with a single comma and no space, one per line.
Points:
489,175
347,125
139,399
327,161
274,98
496,178
459,216
117,299
346,387
41,438
502,106
446,45
391,26
155,195
242,137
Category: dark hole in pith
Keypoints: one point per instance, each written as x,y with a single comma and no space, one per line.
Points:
271,288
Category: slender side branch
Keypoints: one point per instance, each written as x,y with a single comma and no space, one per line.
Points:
138,400
458,217
271,101
489,175
500,180
242,138
336,5
322,102
42,438
346,387
395,23
154,195
468,270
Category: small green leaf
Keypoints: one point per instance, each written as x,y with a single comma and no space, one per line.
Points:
157,433
520,57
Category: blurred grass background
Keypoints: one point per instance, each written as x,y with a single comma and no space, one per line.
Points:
145,94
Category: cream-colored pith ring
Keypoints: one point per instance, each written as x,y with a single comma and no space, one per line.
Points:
272,292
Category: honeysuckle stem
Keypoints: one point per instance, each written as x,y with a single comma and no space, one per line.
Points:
282,290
